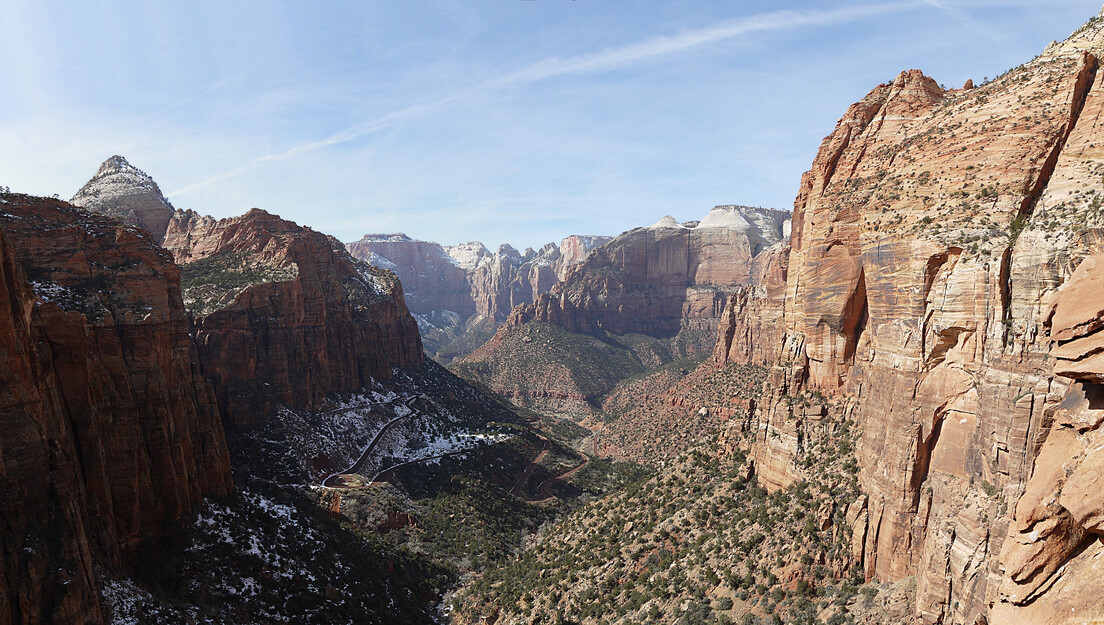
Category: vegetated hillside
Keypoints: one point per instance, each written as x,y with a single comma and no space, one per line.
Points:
658,416
699,542
543,367
658,291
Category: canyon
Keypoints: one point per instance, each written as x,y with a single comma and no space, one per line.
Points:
885,406
110,432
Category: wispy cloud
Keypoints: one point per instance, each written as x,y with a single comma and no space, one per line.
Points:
961,17
603,60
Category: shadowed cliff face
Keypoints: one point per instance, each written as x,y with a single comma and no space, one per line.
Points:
931,238
107,430
284,315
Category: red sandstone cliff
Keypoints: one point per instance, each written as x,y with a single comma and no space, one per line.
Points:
284,315
107,430
931,238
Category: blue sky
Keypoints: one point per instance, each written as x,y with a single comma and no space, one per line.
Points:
517,121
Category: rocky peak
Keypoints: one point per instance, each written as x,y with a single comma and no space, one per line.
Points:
508,254
127,193
397,237
667,222
470,255
117,165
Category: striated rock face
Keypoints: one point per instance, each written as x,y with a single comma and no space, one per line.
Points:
1051,555
285,315
930,239
458,292
127,193
108,431
647,297
655,280
432,280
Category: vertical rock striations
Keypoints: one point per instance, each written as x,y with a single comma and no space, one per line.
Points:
432,280
930,239
108,432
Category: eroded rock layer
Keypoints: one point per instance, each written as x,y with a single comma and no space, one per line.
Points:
108,432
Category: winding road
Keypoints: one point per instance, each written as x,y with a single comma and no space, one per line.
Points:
532,465
542,488
339,480
342,480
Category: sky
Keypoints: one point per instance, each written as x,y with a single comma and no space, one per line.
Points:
505,121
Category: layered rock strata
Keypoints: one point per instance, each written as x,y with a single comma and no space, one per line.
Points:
659,279
108,432
930,239
285,315
127,193
460,293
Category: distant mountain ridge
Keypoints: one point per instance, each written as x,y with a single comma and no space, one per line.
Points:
460,293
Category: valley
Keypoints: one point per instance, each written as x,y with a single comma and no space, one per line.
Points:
881,407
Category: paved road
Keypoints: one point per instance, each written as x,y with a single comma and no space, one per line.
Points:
542,489
532,465
338,480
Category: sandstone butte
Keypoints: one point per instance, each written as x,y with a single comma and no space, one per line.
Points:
306,319
108,431
943,285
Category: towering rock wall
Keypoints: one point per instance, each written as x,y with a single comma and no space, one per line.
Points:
108,432
284,315
930,240
659,279
432,280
